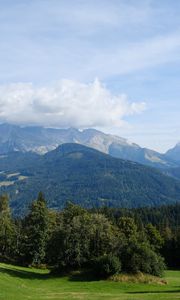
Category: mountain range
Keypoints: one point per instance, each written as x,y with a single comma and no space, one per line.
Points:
85,176
87,166
42,140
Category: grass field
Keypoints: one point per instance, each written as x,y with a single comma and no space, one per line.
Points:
17,283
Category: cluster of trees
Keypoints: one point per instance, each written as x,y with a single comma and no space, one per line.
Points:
78,238
165,218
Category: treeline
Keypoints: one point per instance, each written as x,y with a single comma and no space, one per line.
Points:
159,216
105,241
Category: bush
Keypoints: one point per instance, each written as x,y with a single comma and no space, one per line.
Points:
107,265
145,260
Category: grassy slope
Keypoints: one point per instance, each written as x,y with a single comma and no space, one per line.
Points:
18,283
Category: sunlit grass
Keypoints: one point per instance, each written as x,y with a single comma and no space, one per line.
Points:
18,283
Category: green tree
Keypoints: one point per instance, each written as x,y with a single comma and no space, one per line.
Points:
138,248
36,232
154,237
7,230
81,236
103,236
127,227
143,258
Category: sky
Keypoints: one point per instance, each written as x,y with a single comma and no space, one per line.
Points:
111,65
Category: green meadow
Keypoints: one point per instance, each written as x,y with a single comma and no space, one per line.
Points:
18,283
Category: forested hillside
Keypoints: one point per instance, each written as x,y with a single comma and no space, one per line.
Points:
85,176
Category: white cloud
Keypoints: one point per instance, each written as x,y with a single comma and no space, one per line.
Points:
65,104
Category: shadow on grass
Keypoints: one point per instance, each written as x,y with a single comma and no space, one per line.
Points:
154,292
83,276
78,276
25,274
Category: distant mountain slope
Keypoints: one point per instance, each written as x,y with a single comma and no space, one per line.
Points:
174,153
42,140
85,176
173,172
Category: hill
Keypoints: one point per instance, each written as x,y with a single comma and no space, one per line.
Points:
41,140
85,176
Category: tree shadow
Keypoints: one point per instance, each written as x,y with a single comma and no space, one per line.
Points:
78,276
83,276
155,292
25,274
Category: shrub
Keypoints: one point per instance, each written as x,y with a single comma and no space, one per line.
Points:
144,259
107,265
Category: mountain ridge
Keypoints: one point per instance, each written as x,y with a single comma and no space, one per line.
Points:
174,153
42,140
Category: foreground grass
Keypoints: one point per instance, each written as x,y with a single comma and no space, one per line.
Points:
17,283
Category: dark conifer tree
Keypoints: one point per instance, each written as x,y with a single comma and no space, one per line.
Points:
36,232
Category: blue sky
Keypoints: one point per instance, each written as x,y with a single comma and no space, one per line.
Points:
52,51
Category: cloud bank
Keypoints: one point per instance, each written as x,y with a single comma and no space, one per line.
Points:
66,103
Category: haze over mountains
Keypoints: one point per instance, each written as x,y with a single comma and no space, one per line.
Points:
41,140
174,153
